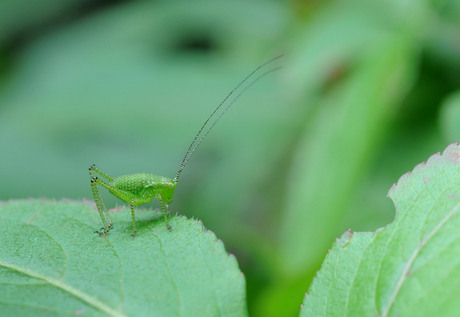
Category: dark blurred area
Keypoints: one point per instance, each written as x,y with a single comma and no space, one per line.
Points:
367,91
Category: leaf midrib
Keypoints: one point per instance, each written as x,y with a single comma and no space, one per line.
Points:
413,257
67,288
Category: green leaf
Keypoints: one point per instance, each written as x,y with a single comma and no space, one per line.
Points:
408,268
52,264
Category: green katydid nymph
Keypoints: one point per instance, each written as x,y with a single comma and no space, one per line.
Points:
138,189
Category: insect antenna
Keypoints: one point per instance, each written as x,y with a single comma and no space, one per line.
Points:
197,139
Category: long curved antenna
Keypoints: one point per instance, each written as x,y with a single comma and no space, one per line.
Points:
192,148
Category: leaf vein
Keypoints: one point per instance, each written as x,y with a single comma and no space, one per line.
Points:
180,305
413,256
67,288
212,278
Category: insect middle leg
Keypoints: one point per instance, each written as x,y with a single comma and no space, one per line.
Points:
133,216
164,209
142,200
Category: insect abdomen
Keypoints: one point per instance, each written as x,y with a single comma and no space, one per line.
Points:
136,183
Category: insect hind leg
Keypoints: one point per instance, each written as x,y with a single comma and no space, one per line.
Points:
101,208
93,169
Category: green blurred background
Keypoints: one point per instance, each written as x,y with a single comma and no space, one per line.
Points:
368,90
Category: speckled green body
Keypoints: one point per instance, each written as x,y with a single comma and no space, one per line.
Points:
142,188
135,189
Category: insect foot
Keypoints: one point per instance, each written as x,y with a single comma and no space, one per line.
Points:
102,232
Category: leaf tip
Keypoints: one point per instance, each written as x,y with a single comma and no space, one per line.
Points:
452,153
347,235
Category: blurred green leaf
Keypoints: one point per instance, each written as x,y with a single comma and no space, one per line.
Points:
408,268
332,156
52,264
450,117
17,17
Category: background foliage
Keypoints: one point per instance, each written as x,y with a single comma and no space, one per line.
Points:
368,90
